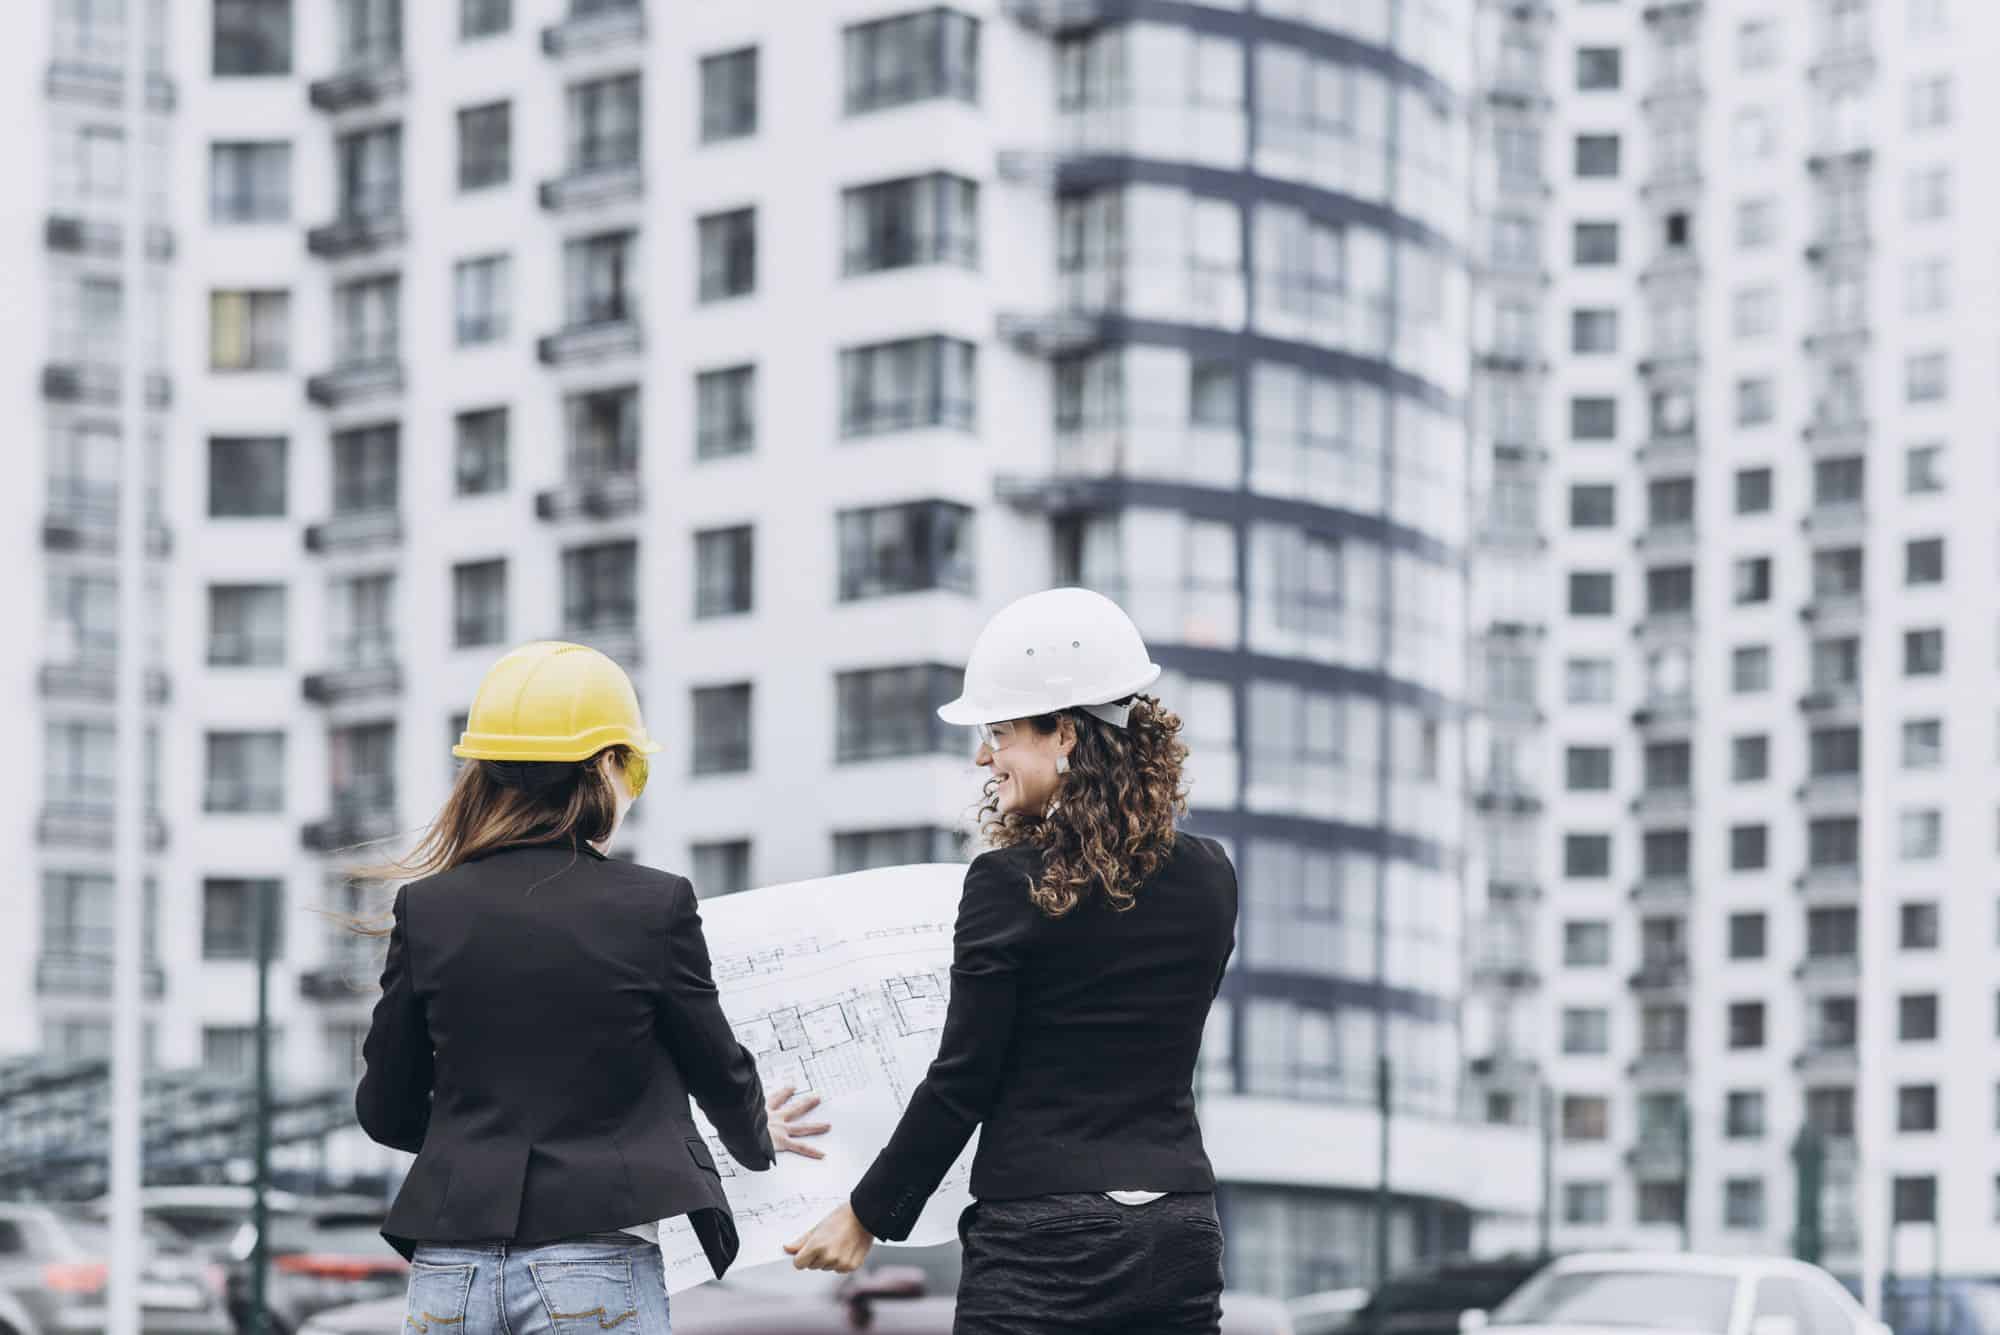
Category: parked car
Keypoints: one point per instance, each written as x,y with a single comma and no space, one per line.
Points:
1430,1300
1680,1293
55,1270
1325,1313
205,1217
1962,1306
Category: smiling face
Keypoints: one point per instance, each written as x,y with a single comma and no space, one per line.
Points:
1022,759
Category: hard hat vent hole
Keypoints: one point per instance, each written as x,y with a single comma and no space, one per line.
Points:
1076,644
1031,653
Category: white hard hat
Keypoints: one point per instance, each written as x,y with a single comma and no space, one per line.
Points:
1058,649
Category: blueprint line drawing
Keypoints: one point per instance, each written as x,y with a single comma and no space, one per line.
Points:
838,987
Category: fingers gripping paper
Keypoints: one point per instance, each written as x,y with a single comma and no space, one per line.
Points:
839,987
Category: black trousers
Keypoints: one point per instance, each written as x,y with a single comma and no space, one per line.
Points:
1084,1265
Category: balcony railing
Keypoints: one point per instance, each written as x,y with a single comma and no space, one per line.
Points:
364,665
347,973
1834,608
1839,882
582,344
592,187
1656,803
69,235
1826,1058
356,382
1831,700
1664,973
595,26
1663,891
1055,18
95,679
96,379
103,82
75,823
592,496
356,530
367,78
1829,968
1660,1065
67,973
363,811
361,233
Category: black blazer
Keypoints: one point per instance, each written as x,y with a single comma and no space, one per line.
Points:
545,1014
1070,1041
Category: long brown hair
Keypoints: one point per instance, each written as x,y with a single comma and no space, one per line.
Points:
505,804
1113,821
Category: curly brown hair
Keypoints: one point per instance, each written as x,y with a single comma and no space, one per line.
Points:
1112,825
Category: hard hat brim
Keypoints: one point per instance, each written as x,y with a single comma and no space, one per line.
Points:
967,712
488,746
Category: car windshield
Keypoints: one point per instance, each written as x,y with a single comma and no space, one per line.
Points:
1654,1299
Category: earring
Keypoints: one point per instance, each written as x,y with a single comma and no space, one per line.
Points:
1062,764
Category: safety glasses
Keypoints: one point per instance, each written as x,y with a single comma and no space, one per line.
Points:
995,736
637,770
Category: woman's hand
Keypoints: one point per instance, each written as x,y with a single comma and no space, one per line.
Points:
837,1242
787,1131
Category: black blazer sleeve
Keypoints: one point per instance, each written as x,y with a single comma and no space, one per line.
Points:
393,1101
719,1071
989,946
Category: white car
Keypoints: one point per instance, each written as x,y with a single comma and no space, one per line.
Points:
1674,1293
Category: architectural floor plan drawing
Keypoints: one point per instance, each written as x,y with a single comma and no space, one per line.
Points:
839,988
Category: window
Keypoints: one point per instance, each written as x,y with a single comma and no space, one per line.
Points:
1754,312
249,331
1589,681
1756,223
246,477
1917,1017
1833,842
728,244
1743,1114
1586,1117
1663,855
1586,1031
365,469
1834,751
1832,933
600,589
1918,925
229,917
1837,573
1586,1203
1587,856
1920,834
725,412
1593,330
1663,1032
485,145
1927,194
1926,378
724,571
1586,944
1587,769
479,603
1747,935
600,279
1518,153
1751,576
1830,1112
918,220
1598,69
1743,1203
729,95
252,37
1832,1023
1667,765
370,173
366,321
892,62
1913,1200
246,625
245,772
1590,593
1593,505
1930,102
1927,286
1923,743
1923,561
1593,419
484,18
1670,502
859,850
1753,495
915,382
1841,481
722,729
1749,847
1756,401
1923,653
720,867
369,32
888,712
250,182
1596,156
1670,591
605,117
1749,758
481,296
1923,470
480,451
905,549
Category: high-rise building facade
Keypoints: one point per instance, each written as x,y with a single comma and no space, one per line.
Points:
769,348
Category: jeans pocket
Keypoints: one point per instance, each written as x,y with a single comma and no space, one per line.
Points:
437,1298
587,1296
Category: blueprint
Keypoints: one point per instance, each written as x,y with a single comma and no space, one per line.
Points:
839,987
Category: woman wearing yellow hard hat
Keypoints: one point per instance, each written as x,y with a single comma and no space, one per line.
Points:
546,1014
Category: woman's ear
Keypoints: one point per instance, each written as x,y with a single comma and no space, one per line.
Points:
1065,735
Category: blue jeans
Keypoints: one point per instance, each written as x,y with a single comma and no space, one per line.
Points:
579,1286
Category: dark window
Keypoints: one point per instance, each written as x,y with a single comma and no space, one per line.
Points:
1917,1017
930,219
1830,1112
246,477
249,331
601,589
1837,572
480,451
370,173
1833,841
1598,68
914,382
1746,1024
1832,933
246,625
1593,505
1916,1108
729,95
1746,936
1594,243
1836,663
1670,502
600,285
1913,1200
365,469
1586,1117
1590,594
859,850
905,548
1679,226
481,298
1749,757
485,145
1586,944
728,244
1668,765
253,37
1834,752
1663,854
724,571
245,772
479,603
1743,1118
484,18
721,867
1597,156
1593,330
1750,578
1587,769
605,119
1587,856
1753,491
603,427
250,182
722,728
1923,561
1593,419
1923,653
889,712
1586,1030
912,58
1743,1206
1670,591
368,32
1832,1023
725,412
1839,481
1919,924
229,909
1749,847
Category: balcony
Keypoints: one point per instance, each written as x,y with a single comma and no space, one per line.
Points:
1056,18
1655,628
1658,1154
1664,455
356,234
356,530
367,668
1837,520
1673,89
1665,892
1840,235
94,679
1666,715
99,382
347,974
1665,973
1830,884
1824,1059
103,83
1661,540
62,973
83,517
356,382
1826,704
1052,334
91,824
1838,334
1836,434
1835,610
1677,360
585,344
1818,970
617,641
1653,804
592,188
1508,796
68,235
1504,958
1830,794
1843,155
595,25
1672,266
1842,58
1658,1067
363,812
368,79
605,495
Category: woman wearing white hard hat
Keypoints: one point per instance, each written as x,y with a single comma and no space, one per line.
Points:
1090,943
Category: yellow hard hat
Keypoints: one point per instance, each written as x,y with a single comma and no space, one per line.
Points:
553,701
